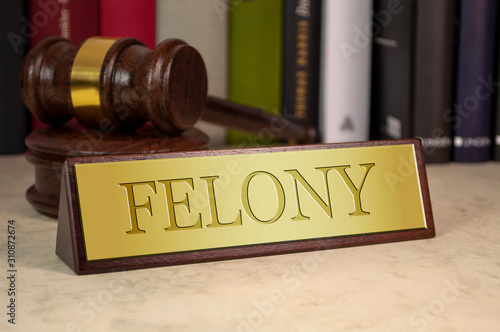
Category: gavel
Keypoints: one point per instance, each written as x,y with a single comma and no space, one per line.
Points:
120,84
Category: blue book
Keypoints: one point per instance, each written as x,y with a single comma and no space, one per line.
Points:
474,78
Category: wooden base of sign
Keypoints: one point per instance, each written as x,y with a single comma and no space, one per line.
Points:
71,243
50,147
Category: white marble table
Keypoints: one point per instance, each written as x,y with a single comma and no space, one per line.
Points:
449,283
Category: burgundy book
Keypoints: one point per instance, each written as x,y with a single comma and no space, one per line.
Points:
128,18
75,20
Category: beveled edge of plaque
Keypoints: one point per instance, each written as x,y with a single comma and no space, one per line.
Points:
70,246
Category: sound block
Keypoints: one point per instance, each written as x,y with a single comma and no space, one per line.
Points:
50,147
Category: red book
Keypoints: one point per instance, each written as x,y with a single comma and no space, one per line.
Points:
128,18
75,20
78,20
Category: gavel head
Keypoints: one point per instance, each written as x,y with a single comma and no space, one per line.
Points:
115,84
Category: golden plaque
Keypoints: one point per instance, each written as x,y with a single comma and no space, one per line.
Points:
142,211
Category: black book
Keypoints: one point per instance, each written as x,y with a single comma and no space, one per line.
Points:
435,41
413,66
14,119
474,89
392,70
495,133
302,23
495,137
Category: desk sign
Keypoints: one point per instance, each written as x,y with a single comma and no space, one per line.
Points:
142,211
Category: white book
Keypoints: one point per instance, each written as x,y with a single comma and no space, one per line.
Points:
203,25
345,70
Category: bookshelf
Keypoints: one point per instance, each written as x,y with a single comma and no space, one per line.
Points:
446,283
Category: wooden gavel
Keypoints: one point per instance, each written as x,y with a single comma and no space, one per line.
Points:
121,84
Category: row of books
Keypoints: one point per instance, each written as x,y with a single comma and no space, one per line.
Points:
434,67
381,69
354,69
26,22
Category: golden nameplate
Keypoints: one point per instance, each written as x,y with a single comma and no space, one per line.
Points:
143,211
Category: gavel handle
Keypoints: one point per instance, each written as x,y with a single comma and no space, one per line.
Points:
255,120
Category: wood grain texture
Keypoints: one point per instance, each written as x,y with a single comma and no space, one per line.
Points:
44,85
257,121
50,147
167,86
70,237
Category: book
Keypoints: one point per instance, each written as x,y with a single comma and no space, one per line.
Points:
255,62
14,119
474,83
75,20
203,24
433,82
128,18
345,71
392,70
301,56
495,131
412,75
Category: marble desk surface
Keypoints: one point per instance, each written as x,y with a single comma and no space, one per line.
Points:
448,283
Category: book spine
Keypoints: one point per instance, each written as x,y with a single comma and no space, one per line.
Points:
474,83
13,116
255,61
204,25
128,18
392,87
345,70
495,133
433,79
301,61
75,20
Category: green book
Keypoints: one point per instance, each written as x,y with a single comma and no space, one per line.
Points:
255,61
